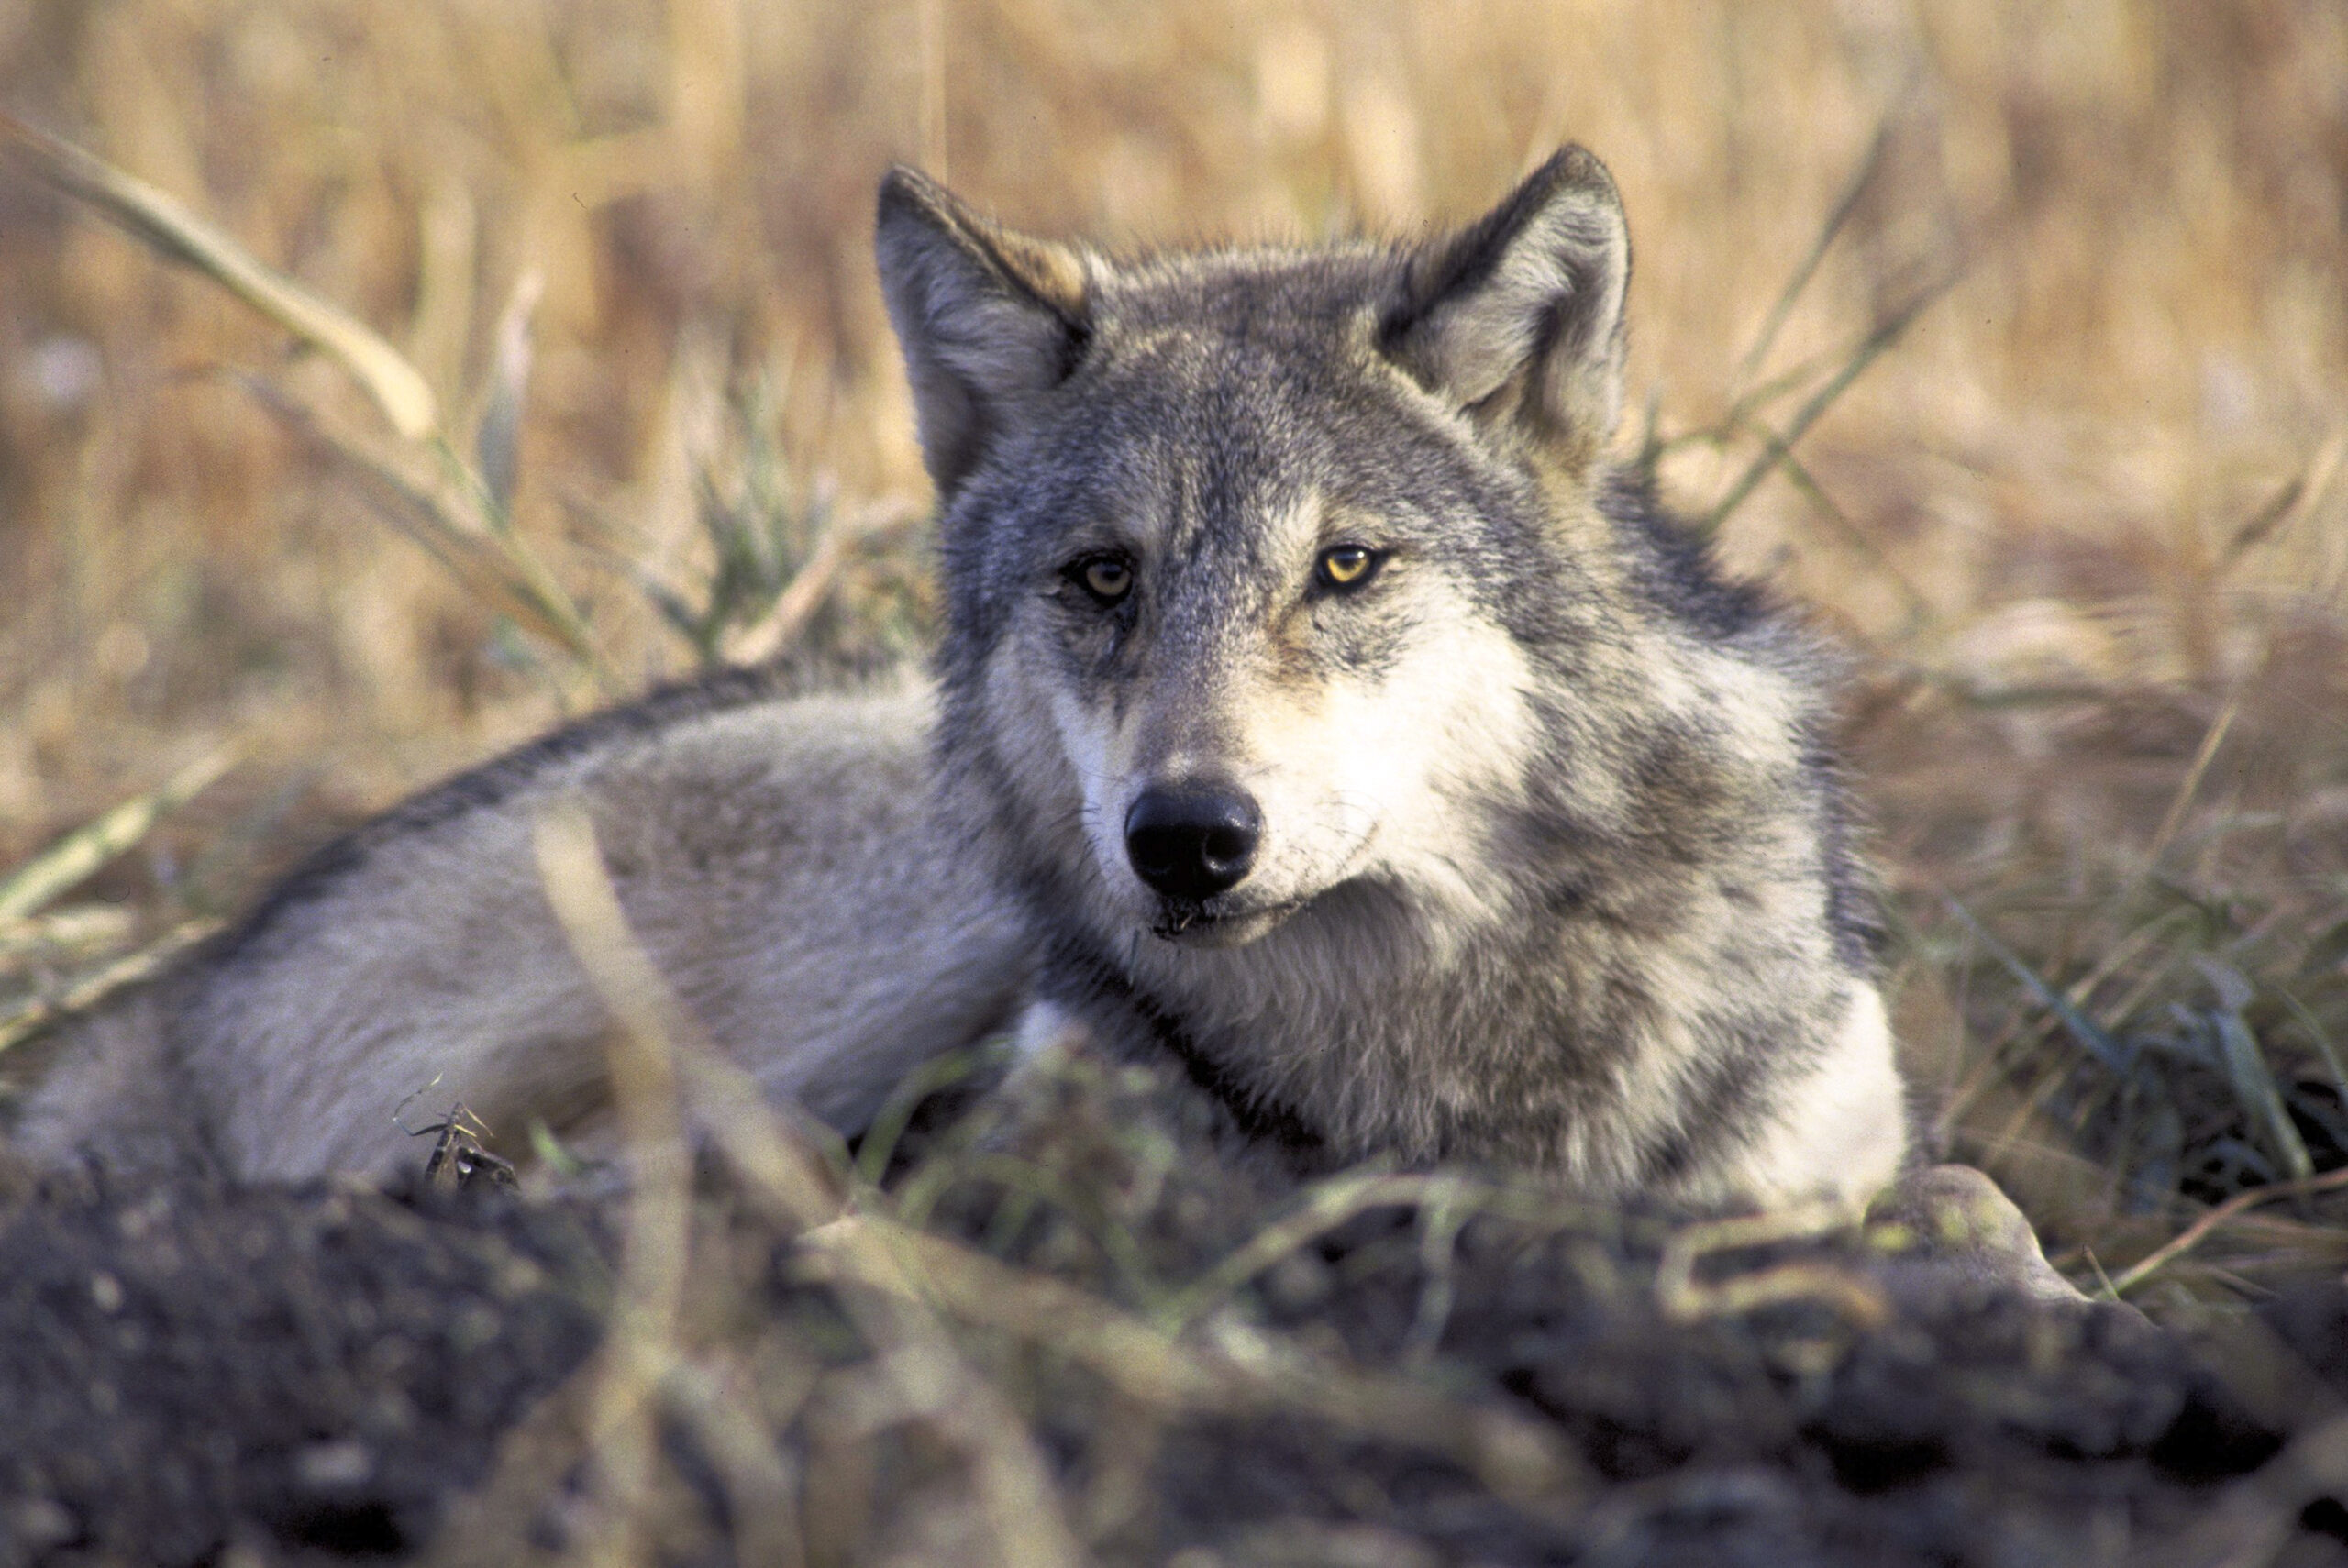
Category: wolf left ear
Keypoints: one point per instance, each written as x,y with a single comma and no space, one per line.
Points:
1519,316
987,318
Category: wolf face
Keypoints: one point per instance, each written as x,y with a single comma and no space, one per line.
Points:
1237,541
1345,726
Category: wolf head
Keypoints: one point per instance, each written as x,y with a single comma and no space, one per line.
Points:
1249,552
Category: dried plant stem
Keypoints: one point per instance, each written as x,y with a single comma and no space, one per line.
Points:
2212,739
928,1378
169,229
715,1403
2193,1235
398,389
493,565
84,850
1852,189
847,529
94,987
641,1345
1242,1374
1776,449
914,1354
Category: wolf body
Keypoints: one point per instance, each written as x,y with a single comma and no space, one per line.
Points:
1316,706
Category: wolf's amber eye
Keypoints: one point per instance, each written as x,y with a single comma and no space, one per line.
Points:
1105,577
1346,566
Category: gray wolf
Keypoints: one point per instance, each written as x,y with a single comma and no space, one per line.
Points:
1318,705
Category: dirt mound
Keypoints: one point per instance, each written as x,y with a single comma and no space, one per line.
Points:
1175,1358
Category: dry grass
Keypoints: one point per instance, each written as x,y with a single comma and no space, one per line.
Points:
2084,523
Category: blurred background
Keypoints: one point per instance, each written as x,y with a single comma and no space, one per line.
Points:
2049,303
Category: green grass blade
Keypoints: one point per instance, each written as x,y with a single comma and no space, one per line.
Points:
2246,1069
2100,1044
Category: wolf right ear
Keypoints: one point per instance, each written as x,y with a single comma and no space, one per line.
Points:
1518,317
987,318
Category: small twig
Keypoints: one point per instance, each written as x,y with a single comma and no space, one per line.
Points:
2193,1235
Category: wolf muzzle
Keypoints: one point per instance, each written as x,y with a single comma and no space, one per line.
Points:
1193,840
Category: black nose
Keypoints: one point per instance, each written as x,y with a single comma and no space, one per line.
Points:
1192,840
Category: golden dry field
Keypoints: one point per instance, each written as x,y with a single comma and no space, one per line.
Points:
2012,336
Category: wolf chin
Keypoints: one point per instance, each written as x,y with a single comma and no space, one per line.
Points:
1317,705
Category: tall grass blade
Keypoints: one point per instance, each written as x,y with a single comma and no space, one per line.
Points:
168,227
1791,294
496,567
87,991
2320,1038
2174,819
1867,351
2100,1044
498,444
80,854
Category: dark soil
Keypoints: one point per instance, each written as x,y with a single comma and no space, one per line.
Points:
204,1376
307,1374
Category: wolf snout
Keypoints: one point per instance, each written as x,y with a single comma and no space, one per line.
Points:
1193,840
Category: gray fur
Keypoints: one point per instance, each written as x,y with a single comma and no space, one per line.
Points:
1554,867
774,851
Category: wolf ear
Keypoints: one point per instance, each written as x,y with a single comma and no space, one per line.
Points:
987,318
1518,316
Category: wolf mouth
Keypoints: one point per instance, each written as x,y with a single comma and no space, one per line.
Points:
1201,924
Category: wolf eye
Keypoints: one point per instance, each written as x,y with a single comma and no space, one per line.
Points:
1346,566
1107,577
